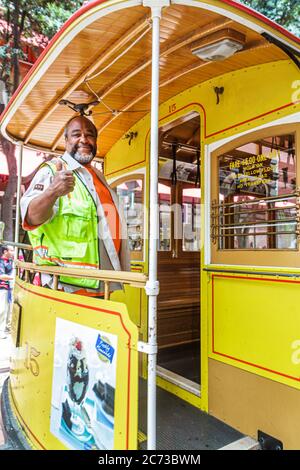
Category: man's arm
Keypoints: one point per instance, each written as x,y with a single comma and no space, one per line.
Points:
41,207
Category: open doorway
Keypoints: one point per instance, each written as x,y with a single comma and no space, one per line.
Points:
179,252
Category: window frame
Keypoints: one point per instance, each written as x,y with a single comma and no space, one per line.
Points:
134,255
249,256
176,244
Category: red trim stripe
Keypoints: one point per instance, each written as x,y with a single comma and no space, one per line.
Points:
24,423
97,309
91,5
204,127
258,366
253,118
148,132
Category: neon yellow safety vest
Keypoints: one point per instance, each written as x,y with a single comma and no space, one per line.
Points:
70,239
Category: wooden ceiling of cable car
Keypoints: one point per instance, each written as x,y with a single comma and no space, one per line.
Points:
125,84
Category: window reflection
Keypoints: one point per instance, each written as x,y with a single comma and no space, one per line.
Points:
191,217
257,200
164,202
130,195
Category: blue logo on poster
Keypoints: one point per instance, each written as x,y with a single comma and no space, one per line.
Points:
105,349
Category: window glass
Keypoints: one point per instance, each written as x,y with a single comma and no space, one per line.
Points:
191,216
257,196
130,195
164,201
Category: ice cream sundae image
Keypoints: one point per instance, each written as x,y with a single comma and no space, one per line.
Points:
77,371
74,414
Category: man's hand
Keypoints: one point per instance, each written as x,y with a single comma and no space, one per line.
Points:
40,209
63,181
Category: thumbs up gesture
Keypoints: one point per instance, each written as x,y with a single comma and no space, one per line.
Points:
63,181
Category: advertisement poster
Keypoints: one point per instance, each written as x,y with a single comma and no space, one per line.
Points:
83,387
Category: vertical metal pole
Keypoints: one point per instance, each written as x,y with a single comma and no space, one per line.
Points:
152,287
17,226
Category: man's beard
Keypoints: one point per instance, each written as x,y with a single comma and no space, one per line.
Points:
83,158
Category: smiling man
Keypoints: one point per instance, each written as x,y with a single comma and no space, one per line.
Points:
72,215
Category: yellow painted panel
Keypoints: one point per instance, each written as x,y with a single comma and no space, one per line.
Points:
131,296
49,322
255,325
252,96
124,157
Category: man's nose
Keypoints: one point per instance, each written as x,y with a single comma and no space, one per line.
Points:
83,138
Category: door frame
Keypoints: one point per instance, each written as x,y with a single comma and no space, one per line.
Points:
168,115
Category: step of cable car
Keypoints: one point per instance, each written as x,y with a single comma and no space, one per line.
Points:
181,426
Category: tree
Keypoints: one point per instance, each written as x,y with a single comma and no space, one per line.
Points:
23,20
284,12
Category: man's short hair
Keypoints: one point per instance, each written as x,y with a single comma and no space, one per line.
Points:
76,117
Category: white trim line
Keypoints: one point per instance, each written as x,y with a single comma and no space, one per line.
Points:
141,171
207,204
236,17
290,119
57,48
103,10
209,149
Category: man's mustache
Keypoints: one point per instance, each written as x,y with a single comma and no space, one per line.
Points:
77,147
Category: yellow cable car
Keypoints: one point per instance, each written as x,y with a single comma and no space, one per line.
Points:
198,113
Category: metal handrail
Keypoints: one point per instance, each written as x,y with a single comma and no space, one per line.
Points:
258,211
255,223
125,277
258,200
222,212
232,235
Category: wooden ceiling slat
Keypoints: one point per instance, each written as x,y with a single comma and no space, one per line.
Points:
91,67
164,81
165,51
67,56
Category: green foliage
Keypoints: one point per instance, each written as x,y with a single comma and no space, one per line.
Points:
47,16
284,12
40,19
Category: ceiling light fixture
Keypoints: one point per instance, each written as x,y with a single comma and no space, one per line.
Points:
219,46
